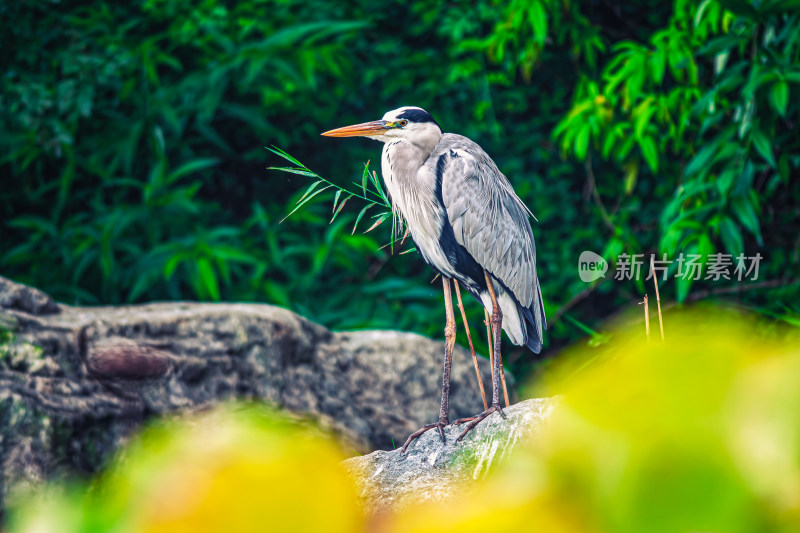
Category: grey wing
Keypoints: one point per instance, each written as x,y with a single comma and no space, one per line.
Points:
489,220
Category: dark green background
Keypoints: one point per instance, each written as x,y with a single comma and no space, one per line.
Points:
133,135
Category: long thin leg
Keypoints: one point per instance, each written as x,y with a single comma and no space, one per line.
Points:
450,341
497,323
489,340
491,358
503,380
471,348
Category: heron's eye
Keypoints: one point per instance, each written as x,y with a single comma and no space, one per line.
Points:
402,123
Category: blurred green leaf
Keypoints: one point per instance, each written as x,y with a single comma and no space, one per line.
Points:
208,278
779,96
763,147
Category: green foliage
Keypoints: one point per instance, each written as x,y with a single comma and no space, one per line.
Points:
132,143
701,111
107,130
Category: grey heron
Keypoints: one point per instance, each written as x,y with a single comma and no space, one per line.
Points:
469,225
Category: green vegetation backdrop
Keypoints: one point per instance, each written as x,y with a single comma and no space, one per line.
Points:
134,165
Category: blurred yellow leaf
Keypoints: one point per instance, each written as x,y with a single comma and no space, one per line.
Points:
700,433
231,470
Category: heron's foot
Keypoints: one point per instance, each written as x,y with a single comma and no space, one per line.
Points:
475,420
464,420
440,425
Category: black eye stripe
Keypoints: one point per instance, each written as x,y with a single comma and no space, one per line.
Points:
417,115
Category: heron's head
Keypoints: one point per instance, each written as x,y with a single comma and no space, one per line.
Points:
412,124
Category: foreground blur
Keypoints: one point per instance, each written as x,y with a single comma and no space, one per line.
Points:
701,433
236,469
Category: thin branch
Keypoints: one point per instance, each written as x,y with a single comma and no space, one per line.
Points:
596,195
658,298
575,300
471,347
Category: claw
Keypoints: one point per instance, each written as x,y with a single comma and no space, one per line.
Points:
477,419
440,425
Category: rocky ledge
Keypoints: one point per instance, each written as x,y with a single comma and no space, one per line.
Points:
433,471
76,381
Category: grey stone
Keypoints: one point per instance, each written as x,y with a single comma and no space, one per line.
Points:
75,383
434,471
24,298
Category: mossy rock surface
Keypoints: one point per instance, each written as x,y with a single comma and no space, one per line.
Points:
431,470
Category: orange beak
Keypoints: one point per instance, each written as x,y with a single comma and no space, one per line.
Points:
377,127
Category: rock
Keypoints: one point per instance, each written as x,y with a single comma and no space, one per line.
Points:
24,298
116,358
433,471
75,383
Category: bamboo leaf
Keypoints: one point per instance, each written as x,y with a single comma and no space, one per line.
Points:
364,176
360,216
336,200
378,222
340,207
302,203
309,190
277,151
377,184
300,171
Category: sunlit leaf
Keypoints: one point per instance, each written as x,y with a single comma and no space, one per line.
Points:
650,152
582,143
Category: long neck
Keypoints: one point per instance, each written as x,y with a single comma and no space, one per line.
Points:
405,156
404,160
412,192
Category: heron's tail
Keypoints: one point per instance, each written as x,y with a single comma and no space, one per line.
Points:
534,321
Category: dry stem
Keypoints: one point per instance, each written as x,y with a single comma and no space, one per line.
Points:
471,348
658,298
